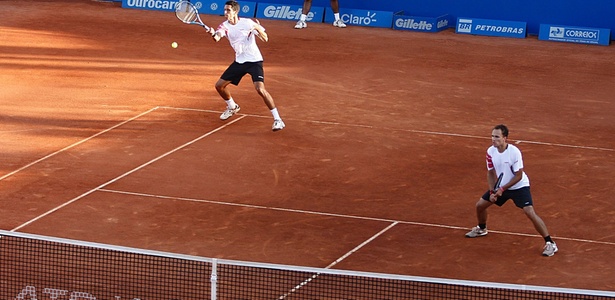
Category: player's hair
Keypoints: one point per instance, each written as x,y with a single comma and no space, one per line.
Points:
234,4
502,128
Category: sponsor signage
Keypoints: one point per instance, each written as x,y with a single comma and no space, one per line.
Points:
425,24
150,4
288,12
211,7
359,17
582,35
491,27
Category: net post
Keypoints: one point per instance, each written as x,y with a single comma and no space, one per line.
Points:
214,278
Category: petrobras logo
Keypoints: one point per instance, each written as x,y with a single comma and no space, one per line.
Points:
150,4
571,34
491,27
464,25
499,29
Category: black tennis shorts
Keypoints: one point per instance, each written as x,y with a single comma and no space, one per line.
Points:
522,197
236,71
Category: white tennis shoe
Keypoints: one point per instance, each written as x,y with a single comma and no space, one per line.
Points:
476,232
301,24
550,249
278,125
339,23
229,112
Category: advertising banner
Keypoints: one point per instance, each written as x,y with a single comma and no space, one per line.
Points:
212,7
570,34
426,24
491,27
359,17
288,12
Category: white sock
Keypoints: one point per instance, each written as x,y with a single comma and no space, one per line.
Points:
230,103
302,18
337,16
275,114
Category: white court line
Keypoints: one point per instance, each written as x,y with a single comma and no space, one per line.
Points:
394,222
300,285
76,144
126,174
409,130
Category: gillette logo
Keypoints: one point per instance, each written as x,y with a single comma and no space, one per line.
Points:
412,24
284,12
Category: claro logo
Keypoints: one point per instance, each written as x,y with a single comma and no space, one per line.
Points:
366,20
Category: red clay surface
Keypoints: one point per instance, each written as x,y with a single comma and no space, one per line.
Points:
110,135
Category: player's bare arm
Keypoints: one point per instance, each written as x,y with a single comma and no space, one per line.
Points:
514,180
491,178
214,34
262,35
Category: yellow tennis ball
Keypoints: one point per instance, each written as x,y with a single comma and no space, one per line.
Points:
174,44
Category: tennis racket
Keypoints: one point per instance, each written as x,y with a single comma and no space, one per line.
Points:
498,182
187,13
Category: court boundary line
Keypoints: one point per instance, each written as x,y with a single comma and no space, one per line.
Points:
308,121
77,143
127,173
310,212
404,130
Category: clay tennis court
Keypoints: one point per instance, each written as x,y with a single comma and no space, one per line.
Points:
109,135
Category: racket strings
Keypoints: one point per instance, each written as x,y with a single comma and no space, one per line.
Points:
186,13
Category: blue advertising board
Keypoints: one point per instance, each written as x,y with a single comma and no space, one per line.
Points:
426,24
288,12
570,34
150,4
491,27
212,7
360,17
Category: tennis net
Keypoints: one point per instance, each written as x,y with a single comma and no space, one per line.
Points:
40,267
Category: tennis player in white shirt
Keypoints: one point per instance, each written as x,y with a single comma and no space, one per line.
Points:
504,158
242,33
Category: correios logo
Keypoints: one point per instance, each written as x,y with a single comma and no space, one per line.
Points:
359,20
556,32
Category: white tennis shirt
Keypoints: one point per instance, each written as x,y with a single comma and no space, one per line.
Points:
242,39
508,161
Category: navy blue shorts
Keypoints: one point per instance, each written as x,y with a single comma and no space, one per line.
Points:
522,197
236,71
